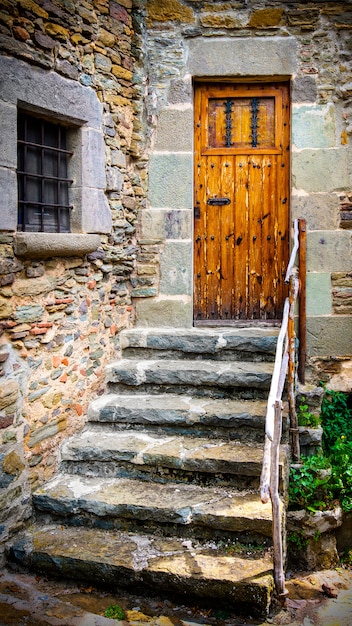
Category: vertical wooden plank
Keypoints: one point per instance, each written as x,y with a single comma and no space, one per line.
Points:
213,239
256,242
227,231
199,262
283,201
269,238
241,238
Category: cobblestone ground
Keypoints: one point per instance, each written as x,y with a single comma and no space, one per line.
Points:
316,599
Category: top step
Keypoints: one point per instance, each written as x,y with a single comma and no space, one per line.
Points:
249,344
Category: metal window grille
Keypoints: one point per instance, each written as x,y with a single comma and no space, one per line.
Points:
43,185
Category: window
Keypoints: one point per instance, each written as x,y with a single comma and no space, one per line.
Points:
43,183
52,161
241,120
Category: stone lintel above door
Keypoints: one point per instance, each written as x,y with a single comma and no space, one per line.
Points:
238,56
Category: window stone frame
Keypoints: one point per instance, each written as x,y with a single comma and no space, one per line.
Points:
24,86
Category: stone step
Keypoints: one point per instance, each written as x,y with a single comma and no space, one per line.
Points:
132,504
214,378
233,419
248,344
160,457
166,564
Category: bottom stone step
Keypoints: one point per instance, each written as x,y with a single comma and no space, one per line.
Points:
171,565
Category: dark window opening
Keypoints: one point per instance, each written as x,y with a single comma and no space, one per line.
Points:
43,183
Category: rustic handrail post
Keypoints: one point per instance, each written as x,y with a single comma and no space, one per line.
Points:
302,334
270,411
294,287
279,576
285,361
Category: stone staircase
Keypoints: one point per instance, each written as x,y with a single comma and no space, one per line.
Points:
160,489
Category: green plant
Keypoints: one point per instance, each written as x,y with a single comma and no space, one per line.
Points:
336,419
306,418
244,549
336,416
114,611
341,461
346,557
321,481
297,540
310,484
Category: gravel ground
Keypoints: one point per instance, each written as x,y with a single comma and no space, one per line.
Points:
315,599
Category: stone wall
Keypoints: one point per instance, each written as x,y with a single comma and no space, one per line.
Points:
61,313
311,44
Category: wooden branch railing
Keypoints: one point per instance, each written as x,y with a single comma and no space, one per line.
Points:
284,367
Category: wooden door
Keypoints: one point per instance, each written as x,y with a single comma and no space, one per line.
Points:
241,210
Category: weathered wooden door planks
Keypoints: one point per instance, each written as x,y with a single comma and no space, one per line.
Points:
241,211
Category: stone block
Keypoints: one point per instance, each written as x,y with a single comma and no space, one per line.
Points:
28,313
226,19
9,392
96,214
175,130
12,464
176,268
47,431
68,69
259,56
304,89
170,181
329,251
318,294
93,157
303,17
314,126
76,102
266,18
320,210
8,147
321,170
342,298
329,336
6,308
8,199
168,11
169,313
341,279
44,245
180,92
114,179
118,158
343,19
341,380
143,292
166,224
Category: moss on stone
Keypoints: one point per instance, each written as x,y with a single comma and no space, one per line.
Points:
265,18
12,464
218,20
57,31
168,11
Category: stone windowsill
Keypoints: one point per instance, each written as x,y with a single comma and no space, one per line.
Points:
45,245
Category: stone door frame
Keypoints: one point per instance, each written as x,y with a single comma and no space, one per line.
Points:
167,222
